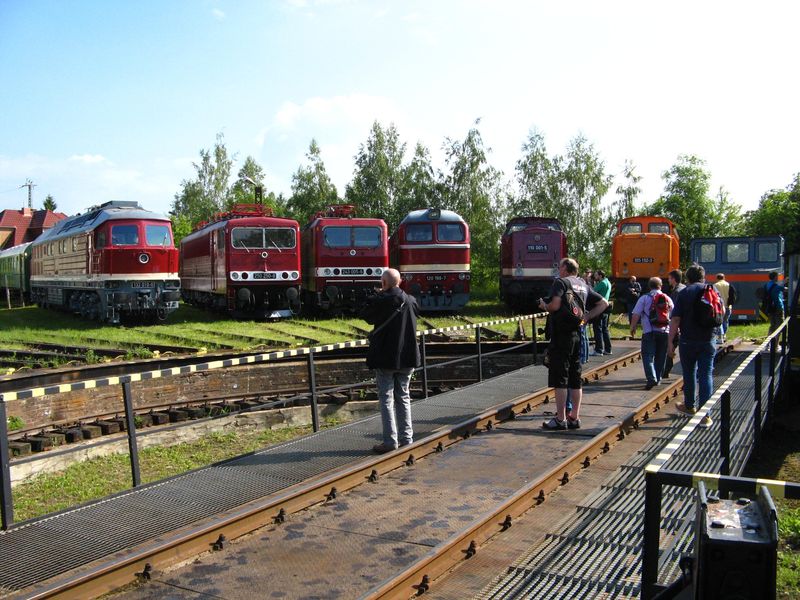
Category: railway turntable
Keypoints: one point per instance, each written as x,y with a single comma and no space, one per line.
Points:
273,493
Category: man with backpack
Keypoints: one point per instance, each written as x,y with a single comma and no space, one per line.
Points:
571,304
772,303
653,310
676,286
697,313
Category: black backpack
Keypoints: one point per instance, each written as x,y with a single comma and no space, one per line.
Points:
572,311
733,295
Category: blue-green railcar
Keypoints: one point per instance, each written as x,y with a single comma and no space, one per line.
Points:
15,270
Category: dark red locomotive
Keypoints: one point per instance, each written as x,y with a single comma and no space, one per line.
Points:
431,250
244,261
116,260
530,250
343,258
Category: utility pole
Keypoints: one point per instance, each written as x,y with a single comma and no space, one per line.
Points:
30,185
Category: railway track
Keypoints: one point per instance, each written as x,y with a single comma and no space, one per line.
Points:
195,540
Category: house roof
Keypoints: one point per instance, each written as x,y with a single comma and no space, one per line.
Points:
25,225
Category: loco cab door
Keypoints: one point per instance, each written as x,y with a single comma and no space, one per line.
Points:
218,277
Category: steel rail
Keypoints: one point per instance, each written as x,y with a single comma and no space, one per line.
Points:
191,541
417,578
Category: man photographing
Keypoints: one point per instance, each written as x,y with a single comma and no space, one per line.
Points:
393,353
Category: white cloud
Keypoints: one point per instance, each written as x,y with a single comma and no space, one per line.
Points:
218,14
89,159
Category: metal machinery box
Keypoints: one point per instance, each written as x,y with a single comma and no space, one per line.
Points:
736,545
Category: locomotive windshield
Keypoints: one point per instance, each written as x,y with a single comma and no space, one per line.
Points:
450,232
735,252
252,238
658,228
124,235
707,253
352,237
630,228
158,235
766,251
419,232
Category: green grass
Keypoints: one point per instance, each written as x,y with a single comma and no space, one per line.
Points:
99,477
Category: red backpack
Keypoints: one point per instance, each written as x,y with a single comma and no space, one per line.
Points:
708,310
659,310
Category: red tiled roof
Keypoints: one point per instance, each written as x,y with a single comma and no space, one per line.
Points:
27,225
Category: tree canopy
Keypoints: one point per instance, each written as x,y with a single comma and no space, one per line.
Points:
312,188
778,213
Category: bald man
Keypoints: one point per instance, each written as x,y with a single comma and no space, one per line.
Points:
393,353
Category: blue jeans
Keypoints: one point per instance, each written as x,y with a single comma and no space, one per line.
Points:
726,320
697,364
395,402
654,355
602,338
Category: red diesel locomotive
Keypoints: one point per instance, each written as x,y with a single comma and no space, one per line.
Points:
530,250
244,261
343,259
431,250
115,261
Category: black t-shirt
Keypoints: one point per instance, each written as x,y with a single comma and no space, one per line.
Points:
588,296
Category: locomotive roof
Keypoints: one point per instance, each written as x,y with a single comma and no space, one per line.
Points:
534,220
425,216
96,216
15,250
233,221
334,220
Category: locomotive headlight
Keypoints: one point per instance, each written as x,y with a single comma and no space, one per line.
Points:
462,276
234,275
245,275
336,271
144,258
327,271
285,275
369,271
378,271
295,275
408,277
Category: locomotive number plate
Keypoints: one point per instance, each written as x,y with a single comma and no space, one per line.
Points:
352,271
642,259
436,277
537,247
265,275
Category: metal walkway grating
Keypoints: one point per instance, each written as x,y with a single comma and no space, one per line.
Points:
98,529
605,531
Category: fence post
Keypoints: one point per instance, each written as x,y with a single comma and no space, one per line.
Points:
773,344
480,354
757,409
534,337
725,432
130,425
312,385
652,532
424,356
6,499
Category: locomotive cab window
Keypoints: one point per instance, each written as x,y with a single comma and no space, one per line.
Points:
419,232
100,241
707,253
124,235
515,227
766,251
336,237
630,228
249,238
658,228
366,237
356,237
450,232
158,235
735,252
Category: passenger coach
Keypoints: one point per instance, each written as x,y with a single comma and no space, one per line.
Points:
15,267
116,260
530,250
431,250
244,261
343,259
746,263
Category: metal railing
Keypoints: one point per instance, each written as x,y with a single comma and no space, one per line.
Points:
657,476
125,382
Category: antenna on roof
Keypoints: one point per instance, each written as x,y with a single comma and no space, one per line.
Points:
30,185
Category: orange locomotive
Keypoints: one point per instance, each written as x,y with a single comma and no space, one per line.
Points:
644,247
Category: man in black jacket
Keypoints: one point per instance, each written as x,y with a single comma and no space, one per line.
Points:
393,353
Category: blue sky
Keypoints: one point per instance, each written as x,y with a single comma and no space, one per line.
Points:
109,100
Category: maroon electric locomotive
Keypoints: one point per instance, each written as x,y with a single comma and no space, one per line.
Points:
344,257
244,261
